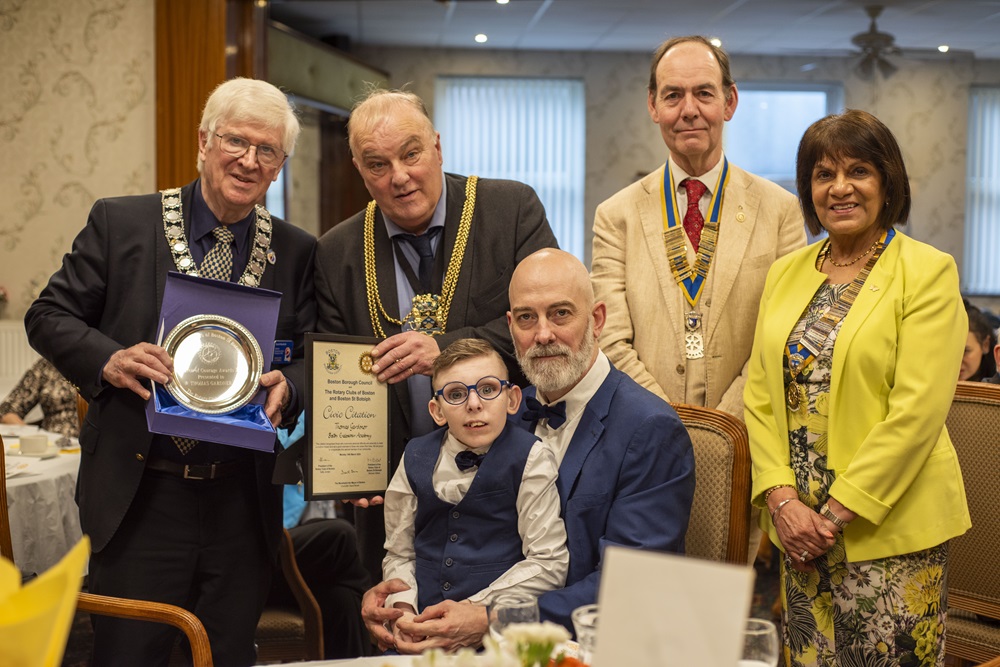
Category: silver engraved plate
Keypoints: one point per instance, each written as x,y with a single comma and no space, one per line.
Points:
217,364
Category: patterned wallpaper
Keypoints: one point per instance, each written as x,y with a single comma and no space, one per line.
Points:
76,124
924,103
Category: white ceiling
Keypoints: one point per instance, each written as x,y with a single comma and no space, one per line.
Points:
775,27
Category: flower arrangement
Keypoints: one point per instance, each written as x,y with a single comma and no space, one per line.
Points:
525,645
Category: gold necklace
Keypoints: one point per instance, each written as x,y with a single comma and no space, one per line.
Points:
829,254
429,313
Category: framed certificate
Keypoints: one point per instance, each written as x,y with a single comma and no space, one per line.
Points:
347,420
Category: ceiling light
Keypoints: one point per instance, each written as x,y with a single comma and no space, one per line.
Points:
716,42
481,38
943,48
502,2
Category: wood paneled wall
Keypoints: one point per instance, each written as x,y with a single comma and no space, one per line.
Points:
190,62
199,44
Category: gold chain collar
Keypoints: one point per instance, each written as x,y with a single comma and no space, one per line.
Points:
429,313
180,249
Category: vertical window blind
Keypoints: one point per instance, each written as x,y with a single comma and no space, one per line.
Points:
528,130
980,268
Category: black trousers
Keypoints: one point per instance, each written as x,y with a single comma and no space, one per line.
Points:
326,551
197,544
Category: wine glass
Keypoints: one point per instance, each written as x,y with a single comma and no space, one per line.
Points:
585,626
510,609
760,644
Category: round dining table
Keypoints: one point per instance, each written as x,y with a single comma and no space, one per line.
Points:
44,518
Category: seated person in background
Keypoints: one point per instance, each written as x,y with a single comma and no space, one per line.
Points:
326,552
473,510
43,385
978,363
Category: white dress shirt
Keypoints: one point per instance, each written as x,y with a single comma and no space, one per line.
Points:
558,439
543,534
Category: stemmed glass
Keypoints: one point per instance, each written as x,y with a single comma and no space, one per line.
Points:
760,644
510,609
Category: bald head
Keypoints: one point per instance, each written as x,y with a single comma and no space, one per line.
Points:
554,320
554,272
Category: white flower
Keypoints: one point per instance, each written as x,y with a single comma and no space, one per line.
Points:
535,633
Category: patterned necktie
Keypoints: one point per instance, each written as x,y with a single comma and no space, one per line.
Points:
466,459
555,413
218,264
422,244
693,219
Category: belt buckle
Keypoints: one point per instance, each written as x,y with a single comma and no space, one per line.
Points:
188,475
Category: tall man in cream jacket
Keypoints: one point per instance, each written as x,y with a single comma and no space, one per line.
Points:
682,279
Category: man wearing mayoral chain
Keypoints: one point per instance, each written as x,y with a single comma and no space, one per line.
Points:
681,255
427,262
190,523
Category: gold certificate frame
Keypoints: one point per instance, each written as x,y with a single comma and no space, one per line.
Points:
217,364
348,424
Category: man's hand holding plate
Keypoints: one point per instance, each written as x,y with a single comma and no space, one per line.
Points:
125,368
278,395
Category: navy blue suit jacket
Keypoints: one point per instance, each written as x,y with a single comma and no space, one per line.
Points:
627,479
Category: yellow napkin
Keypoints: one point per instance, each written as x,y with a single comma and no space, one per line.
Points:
35,619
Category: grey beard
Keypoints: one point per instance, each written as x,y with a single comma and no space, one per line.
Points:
552,376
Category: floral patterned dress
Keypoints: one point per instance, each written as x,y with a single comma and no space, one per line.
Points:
42,384
888,612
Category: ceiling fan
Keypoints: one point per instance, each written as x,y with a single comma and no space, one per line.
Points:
877,46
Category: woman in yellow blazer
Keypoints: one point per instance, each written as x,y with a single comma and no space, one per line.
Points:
858,342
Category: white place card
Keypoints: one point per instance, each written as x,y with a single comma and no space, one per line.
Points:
664,610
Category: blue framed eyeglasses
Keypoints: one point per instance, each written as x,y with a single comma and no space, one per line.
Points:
457,393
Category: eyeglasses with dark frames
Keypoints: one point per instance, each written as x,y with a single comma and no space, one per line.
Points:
487,388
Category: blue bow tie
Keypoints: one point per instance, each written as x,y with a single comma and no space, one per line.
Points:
466,459
555,413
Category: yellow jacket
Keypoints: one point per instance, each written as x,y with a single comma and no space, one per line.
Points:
895,365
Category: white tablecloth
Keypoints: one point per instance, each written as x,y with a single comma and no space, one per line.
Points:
44,519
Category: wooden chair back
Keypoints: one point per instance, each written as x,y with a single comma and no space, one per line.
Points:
290,633
973,576
720,515
188,623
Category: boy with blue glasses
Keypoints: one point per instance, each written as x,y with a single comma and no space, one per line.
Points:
473,509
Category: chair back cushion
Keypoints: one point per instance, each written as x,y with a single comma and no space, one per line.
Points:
720,514
974,426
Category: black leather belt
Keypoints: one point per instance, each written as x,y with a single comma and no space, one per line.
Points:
195,471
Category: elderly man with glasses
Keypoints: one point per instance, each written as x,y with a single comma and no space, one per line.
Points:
195,524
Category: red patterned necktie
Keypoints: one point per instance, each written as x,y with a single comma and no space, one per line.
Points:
693,219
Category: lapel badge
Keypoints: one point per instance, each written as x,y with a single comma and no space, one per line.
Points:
740,216
874,288
271,257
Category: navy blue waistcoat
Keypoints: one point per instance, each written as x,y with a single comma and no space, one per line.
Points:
461,549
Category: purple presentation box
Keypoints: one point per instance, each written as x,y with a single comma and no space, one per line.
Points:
256,309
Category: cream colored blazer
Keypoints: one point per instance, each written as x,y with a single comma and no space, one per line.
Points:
644,334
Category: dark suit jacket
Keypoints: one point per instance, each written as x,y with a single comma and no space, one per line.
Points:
508,225
627,479
106,297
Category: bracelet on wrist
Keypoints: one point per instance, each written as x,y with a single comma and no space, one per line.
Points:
774,514
767,494
829,514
